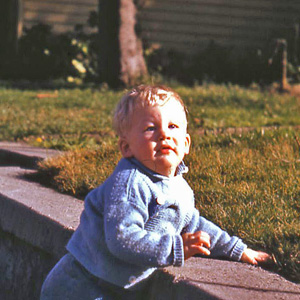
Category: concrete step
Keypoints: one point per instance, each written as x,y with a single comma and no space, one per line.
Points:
23,155
35,222
203,278
27,208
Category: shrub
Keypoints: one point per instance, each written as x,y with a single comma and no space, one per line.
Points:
220,64
43,55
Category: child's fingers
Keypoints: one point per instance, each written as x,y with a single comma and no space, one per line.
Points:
248,257
255,257
199,249
201,238
195,243
263,257
252,261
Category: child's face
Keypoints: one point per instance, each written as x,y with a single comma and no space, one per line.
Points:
158,137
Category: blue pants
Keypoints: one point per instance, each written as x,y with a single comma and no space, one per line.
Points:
68,280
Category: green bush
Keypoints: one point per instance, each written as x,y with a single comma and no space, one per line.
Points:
43,55
215,63
221,64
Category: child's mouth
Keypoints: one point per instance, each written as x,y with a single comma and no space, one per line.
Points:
166,149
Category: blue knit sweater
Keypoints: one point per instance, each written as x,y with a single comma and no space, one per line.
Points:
132,224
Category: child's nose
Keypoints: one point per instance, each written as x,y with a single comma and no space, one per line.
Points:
164,134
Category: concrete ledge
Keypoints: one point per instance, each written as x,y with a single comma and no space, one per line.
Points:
36,223
35,214
203,278
23,155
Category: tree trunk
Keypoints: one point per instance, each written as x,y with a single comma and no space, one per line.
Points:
10,27
121,58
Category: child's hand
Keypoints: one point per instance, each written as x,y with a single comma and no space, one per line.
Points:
255,257
195,243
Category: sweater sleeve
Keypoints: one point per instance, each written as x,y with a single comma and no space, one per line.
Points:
127,237
222,244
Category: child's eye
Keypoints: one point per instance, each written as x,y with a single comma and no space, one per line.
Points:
173,126
150,128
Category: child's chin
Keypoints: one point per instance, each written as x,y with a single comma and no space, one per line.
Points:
167,164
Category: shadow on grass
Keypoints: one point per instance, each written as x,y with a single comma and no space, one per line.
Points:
46,180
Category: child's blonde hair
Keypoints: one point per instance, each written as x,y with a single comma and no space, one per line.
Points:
139,97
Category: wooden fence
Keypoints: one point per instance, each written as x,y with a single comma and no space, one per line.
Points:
184,25
62,15
189,25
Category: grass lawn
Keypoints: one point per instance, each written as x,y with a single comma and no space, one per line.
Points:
248,184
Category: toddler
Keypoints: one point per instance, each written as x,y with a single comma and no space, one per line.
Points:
143,216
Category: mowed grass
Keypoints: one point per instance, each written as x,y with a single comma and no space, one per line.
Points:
69,118
57,119
248,184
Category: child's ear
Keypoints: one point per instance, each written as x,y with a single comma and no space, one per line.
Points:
125,148
187,143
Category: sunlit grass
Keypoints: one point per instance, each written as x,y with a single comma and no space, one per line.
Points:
67,118
80,170
251,186
233,106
